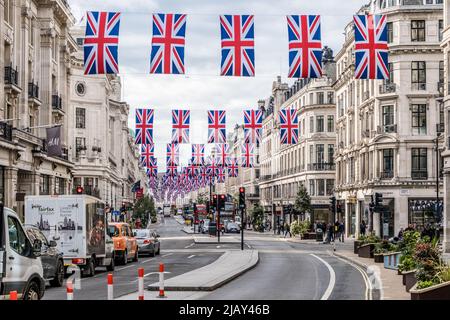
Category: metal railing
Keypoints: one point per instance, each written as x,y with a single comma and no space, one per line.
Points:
389,174
391,128
388,88
5,131
321,166
11,76
33,90
56,102
419,175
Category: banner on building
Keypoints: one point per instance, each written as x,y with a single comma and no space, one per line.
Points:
54,148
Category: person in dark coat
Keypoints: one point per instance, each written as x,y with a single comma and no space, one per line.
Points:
362,228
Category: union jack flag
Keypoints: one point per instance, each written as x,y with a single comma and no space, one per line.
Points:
288,126
216,126
247,155
180,126
191,169
167,54
252,126
222,154
305,46
198,152
238,45
172,169
211,169
147,152
204,176
233,168
152,168
371,49
101,43
144,126
220,174
173,152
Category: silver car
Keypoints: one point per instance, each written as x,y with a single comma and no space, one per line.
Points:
148,242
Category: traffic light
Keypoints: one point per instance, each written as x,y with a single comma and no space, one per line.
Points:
378,200
222,199
80,190
214,202
241,198
333,204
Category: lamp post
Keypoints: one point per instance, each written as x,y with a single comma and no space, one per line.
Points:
437,209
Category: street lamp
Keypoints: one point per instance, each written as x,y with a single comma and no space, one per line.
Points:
438,217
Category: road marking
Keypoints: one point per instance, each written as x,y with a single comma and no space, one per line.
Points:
193,243
218,247
332,282
166,255
130,266
147,260
191,256
365,277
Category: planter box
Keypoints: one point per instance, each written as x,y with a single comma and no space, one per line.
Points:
378,258
356,246
436,292
366,250
409,279
391,260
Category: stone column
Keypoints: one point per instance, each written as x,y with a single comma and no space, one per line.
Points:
35,182
10,187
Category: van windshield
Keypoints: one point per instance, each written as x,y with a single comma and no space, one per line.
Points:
113,231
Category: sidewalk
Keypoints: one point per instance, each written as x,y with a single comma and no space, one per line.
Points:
391,281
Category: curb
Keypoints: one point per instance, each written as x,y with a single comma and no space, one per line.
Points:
254,261
359,264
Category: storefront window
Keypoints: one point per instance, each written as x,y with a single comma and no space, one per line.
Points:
421,212
44,185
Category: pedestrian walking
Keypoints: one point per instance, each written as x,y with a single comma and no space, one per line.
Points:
341,231
287,230
330,233
362,228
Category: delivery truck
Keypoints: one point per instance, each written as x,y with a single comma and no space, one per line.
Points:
78,225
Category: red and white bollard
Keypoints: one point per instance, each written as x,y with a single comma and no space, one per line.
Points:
161,281
110,287
141,283
69,286
13,295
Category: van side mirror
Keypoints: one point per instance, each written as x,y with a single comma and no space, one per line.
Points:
37,247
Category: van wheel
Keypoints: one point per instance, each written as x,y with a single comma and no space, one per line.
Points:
111,265
32,292
58,280
91,268
136,258
159,249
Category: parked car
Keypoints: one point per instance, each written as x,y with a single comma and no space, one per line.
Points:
148,242
232,227
20,268
125,244
51,258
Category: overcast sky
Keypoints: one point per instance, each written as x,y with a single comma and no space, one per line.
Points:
201,88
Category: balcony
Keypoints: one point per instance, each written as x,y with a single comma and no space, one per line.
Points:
387,174
321,166
11,76
440,128
419,175
391,128
56,102
388,88
33,91
5,131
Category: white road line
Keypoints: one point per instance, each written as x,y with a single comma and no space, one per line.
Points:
193,243
191,256
130,266
166,255
147,260
365,277
332,282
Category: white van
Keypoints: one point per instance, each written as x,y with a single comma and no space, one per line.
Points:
20,268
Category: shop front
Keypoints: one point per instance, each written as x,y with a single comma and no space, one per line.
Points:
422,212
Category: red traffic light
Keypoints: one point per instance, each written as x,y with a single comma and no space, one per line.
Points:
242,190
79,190
215,196
222,196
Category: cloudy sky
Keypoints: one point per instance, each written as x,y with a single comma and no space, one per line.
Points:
201,88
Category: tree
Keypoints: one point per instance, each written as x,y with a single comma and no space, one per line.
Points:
302,201
257,216
143,209
202,198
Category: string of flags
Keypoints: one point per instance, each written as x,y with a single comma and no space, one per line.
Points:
237,32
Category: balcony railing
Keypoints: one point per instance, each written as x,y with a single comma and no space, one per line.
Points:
321,166
56,102
440,128
419,175
387,88
419,86
5,131
11,76
391,128
33,90
388,174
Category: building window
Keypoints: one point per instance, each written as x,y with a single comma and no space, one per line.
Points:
441,72
311,154
388,163
60,185
330,123
320,155
330,97
388,119
419,163
417,30
391,73
44,185
390,32
418,75
441,29
331,153
9,11
320,98
319,124
330,187
303,127
312,191
320,187
419,119
80,118
311,124
80,41
80,144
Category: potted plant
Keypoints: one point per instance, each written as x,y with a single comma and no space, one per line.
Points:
368,246
381,249
407,263
358,243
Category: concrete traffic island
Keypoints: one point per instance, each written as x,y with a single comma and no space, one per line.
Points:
229,266
224,239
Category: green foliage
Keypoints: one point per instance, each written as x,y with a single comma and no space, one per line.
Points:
257,216
384,247
303,200
408,247
202,198
428,261
444,273
300,228
407,263
143,209
424,284
371,238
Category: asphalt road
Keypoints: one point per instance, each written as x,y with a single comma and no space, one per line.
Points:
125,277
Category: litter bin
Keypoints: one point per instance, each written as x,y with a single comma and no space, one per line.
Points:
319,235
212,229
